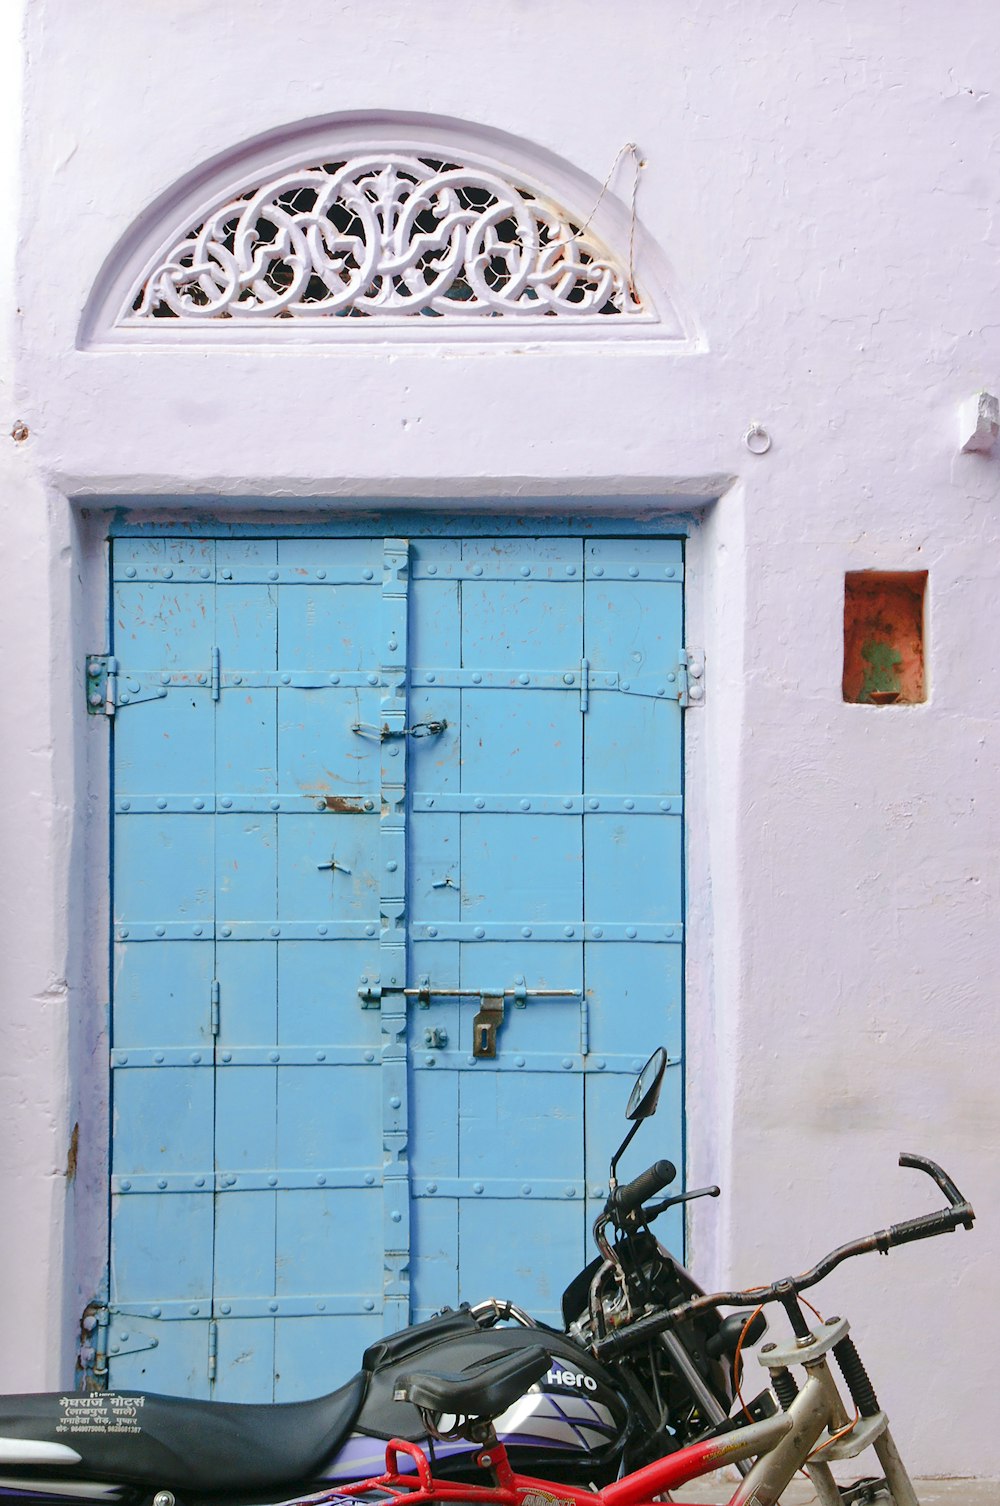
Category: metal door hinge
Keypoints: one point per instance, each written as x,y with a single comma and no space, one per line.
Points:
123,1337
92,1360
213,1349
102,676
108,689
691,677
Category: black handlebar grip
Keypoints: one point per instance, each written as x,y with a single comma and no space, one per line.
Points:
632,1335
929,1224
938,1173
625,1200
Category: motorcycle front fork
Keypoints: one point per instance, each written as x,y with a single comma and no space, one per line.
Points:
709,1404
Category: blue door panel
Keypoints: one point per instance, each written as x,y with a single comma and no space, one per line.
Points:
319,753
435,859
632,867
177,1366
166,626
245,762
328,1119
434,1256
642,1004
434,1100
542,1108
306,1363
165,748
147,1226
164,1117
528,867
178,976
247,976
163,875
327,627
343,765
530,743
244,1248
244,1368
325,868
246,1106
246,881
150,557
540,1245
319,1007
246,629
521,625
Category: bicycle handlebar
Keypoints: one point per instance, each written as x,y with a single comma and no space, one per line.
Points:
926,1226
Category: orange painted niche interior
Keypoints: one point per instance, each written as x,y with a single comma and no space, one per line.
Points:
884,637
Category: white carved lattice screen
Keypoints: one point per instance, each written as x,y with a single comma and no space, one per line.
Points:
400,232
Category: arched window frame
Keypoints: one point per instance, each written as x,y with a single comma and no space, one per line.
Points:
625,288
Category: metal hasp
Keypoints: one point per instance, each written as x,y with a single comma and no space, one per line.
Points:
491,1006
486,1024
383,733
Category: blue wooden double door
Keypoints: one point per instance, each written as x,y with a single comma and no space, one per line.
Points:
397,914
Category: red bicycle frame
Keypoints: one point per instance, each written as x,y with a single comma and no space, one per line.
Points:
511,1489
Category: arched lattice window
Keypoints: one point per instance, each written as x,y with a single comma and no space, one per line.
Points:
339,226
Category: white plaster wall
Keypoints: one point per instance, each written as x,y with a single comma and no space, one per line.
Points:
822,177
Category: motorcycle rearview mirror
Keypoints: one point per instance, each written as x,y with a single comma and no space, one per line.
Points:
642,1101
645,1094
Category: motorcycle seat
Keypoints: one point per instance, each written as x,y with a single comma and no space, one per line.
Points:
173,1442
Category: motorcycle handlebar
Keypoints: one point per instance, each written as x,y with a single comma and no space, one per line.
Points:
960,1211
625,1200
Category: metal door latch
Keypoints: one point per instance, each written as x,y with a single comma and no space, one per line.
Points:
486,1024
333,865
491,1006
383,733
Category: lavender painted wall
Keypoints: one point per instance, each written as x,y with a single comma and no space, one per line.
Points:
822,181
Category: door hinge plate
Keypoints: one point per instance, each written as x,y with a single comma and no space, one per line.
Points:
124,1338
108,689
691,677
102,673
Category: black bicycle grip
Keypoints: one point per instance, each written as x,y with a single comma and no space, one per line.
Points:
928,1225
625,1200
937,1173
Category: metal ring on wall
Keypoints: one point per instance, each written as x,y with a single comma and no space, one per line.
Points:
757,439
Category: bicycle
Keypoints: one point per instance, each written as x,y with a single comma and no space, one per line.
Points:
812,1430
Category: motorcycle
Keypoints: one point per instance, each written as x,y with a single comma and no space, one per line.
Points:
582,1421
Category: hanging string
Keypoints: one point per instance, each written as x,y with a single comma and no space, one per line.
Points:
638,164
